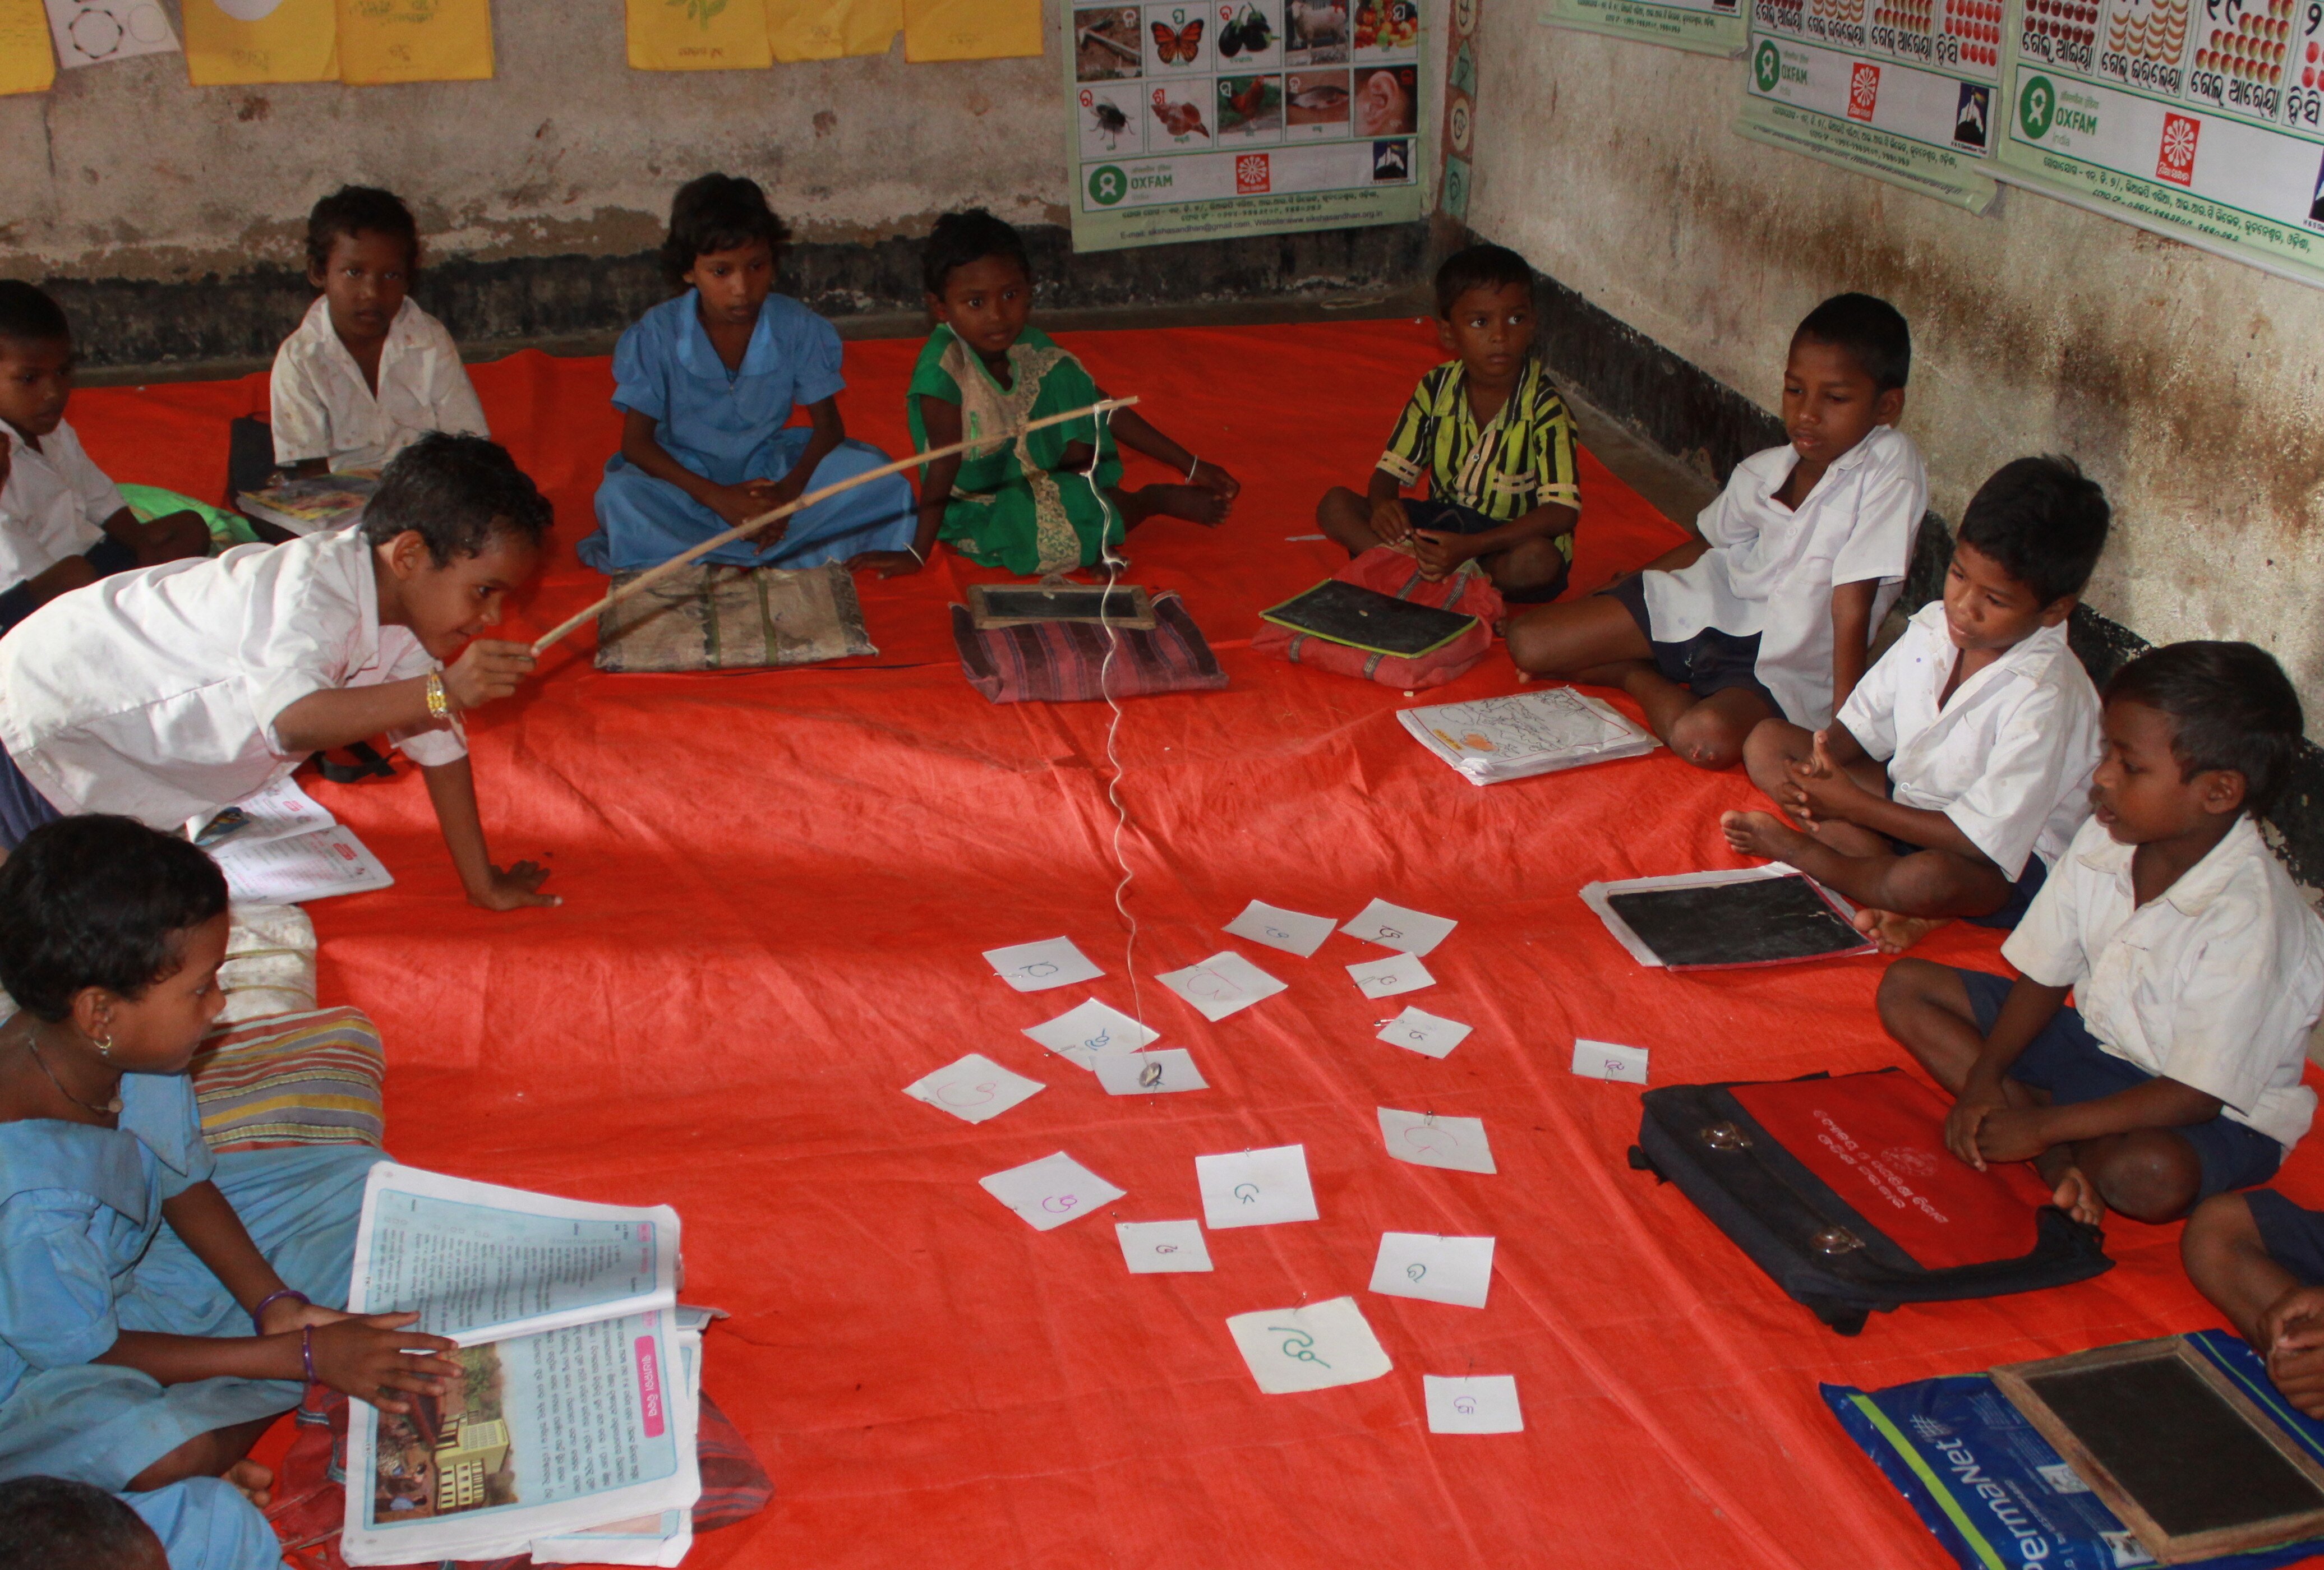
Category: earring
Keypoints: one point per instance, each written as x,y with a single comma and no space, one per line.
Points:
103,1046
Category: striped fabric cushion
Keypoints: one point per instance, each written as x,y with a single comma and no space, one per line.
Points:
291,1080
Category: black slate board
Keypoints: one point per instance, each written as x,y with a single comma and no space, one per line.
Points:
1071,602
1756,921
1368,619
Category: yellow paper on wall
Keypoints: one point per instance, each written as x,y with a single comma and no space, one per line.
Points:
229,42
698,35
27,63
802,30
415,41
937,30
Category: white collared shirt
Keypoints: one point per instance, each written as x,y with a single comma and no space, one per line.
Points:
2214,983
153,694
1771,569
323,408
54,505
2009,759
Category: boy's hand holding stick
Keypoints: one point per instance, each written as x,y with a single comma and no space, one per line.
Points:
749,525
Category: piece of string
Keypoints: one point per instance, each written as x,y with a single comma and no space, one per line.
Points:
1114,562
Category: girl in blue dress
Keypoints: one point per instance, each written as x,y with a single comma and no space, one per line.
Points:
706,383
160,1306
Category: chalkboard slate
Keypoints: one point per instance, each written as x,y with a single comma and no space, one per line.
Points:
1124,605
1754,921
1368,619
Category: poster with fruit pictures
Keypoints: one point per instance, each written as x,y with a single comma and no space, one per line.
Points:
1201,121
1903,91
1703,26
2200,119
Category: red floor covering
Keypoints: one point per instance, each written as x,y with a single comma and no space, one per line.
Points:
777,886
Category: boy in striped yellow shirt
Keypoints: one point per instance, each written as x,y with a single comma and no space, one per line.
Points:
1491,436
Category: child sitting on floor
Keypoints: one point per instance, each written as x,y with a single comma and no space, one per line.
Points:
163,1304
1987,723
1489,435
706,384
1801,554
168,694
1043,502
367,373
200,1524
2197,966
2260,1259
62,523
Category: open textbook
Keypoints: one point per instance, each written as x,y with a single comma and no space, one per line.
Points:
279,846
575,1409
319,502
1491,740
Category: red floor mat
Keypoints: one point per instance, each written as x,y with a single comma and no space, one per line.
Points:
776,888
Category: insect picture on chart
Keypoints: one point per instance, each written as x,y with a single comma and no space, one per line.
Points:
1105,43
1177,120
1112,119
1175,39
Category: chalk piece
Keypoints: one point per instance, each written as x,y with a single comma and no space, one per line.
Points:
1222,985
973,1089
1457,1144
1153,1248
1039,966
1394,927
1424,1032
1150,1073
1477,1403
1458,1271
1293,931
1606,1060
1309,1349
1051,1192
1386,977
1255,1187
1085,1034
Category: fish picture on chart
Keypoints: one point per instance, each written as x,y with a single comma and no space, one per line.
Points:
1178,119
1315,32
1106,44
1387,100
1248,37
1112,120
1177,40
1251,108
1315,103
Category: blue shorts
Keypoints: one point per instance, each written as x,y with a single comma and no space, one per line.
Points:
23,808
2020,892
1451,518
2293,1234
1711,661
2066,1061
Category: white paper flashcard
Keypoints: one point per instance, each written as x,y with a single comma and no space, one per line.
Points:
1153,1248
1608,1060
1477,1403
973,1089
1051,1192
1309,1349
1458,1271
1457,1144
1083,1035
1150,1073
1222,985
1255,1187
1293,931
1039,966
1386,977
1418,1031
1394,927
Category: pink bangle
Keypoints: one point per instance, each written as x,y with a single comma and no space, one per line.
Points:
307,1351
258,1315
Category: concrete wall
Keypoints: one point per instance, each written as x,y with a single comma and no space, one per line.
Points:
2188,385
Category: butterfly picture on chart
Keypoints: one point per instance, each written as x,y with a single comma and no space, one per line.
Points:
1178,36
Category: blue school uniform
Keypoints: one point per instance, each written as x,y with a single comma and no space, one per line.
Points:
84,1256
205,1524
730,426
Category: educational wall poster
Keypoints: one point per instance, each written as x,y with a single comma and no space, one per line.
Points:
1202,119
239,43
697,35
415,41
95,32
802,30
937,30
1702,26
26,66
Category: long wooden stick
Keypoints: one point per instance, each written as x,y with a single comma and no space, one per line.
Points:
653,575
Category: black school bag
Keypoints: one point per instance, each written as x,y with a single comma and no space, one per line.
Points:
1879,1212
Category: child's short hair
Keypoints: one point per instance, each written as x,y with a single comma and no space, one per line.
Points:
960,238
717,212
28,315
95,901
1868,328
455,492
57,1522
1480,266
353,210
2235,707
2044,520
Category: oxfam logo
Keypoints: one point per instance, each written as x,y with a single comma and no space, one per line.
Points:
1768,67
1108,185
2037,106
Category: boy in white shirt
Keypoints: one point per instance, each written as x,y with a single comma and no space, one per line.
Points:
367,373
62,523
2197,967
1987,725
1801,554
168,693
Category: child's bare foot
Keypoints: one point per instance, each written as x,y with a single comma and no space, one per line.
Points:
2078,1197
1892,933
1191,502
1763,835
253,1482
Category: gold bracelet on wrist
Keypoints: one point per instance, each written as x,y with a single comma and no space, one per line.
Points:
440,703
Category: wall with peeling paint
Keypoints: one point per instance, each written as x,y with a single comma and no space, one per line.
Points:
2187,384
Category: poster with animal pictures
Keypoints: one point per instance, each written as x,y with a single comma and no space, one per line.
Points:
1701,26
1200,121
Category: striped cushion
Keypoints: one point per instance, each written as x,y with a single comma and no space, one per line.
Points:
291,1080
